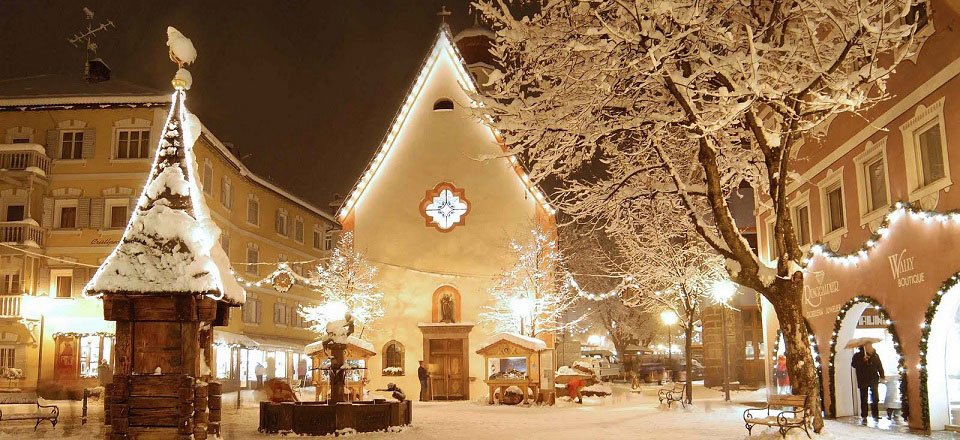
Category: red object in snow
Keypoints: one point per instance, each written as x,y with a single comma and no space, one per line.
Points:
573,386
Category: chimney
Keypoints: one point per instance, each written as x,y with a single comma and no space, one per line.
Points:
96,71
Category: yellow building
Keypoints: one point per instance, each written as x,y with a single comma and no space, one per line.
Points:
73,159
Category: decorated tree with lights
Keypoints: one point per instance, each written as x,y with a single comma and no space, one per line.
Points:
531,297
623,101
348,285
672,274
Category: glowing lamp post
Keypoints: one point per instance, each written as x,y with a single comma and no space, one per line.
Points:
523,307
669,318
722,293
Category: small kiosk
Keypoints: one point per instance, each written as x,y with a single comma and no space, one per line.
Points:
357,355
512,360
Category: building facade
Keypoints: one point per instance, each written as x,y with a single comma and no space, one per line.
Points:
73,160
874,207
436,219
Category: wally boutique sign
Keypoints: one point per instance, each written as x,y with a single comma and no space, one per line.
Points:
904,270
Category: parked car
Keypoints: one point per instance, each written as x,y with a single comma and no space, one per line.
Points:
602,367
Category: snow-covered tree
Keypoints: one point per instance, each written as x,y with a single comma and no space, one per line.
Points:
672,270
621,101
531,297
348,285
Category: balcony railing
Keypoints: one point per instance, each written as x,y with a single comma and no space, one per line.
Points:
21,232
10,306
24,157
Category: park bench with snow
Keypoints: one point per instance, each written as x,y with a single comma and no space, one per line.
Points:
782,411
672,394
42,412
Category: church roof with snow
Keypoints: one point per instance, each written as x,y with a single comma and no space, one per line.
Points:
444,45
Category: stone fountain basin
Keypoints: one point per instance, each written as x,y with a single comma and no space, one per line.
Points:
321,418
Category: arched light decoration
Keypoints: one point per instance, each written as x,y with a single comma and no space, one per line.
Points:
442,47
444,207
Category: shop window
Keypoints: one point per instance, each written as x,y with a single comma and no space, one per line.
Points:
223,356
64,286
94,350
133,144
393,359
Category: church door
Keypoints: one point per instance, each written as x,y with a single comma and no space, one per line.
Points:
448,375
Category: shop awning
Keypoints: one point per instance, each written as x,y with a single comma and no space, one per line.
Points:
234,339
270,343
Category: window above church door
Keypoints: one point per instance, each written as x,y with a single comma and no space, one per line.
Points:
444,207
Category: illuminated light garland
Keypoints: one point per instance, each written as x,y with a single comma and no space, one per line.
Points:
282,268
572,283
901,361
79,335
814,352
926,328
900,209
466,81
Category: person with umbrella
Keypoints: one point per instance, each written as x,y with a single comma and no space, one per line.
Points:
869,374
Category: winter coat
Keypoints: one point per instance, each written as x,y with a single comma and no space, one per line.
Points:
869,369
422,373
892,400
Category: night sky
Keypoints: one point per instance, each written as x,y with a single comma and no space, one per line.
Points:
305,89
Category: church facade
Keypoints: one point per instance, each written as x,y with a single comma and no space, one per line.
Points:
435,212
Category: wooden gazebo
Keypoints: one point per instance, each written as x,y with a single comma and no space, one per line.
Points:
512,360
357,351
166,285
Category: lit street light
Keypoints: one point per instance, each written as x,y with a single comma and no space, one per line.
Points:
669,318
523,307
722,293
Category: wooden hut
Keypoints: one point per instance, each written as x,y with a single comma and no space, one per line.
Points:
357,355
166,285
512,360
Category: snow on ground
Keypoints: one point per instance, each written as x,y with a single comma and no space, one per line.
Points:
624,415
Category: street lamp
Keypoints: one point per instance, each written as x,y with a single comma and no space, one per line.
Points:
523,307
669,317
723,292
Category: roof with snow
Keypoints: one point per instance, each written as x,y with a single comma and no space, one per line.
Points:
526,342
170,244
443,46
354,341
57,89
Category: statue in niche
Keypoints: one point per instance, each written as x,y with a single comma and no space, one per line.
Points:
446,308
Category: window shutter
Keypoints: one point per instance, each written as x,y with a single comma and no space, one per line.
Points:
83,212
89,140
53,143
79,280
96,213
43,279
46,220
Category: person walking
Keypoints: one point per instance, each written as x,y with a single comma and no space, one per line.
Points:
869,374
259,371
781,376
423,375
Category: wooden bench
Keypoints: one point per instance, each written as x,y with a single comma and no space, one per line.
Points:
775,413
673,394
44,412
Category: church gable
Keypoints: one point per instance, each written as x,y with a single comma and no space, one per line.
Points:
442,86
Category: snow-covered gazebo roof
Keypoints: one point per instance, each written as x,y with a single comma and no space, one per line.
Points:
170,243
524,342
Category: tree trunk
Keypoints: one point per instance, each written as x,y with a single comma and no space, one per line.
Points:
688,354
800,363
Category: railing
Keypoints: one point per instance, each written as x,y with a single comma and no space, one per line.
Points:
21,233
10,306
13,157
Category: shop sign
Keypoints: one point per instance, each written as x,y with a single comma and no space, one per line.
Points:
813,293
104,241
872,318
904,270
